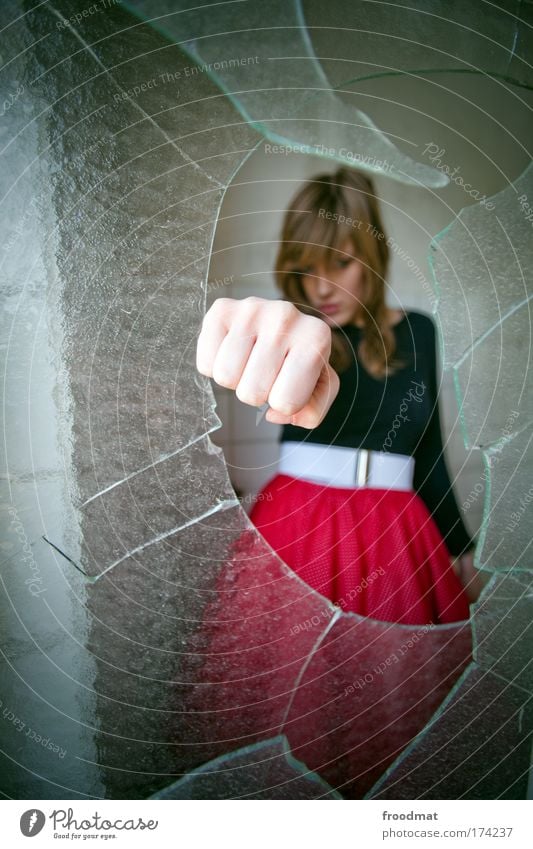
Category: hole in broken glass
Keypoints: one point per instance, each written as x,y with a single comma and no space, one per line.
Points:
246,242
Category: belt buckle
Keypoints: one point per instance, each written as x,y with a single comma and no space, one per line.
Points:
362,466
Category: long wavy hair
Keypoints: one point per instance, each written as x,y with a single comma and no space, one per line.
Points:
326,213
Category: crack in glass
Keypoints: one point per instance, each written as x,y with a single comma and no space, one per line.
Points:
187,639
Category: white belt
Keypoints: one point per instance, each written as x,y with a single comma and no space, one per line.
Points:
334,465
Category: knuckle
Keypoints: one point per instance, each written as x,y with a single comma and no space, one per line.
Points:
285,307
217,312
251,305
320,332
247,313
286,311
223,303
283,320
219,306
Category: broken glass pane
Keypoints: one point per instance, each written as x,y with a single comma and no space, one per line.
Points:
194,640
478,746
126,534
252,62
110,220
481,263
505,538
265,770
361,40
347,691
503,626
368,690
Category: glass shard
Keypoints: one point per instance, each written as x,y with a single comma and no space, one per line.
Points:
192,640
368,690
478,746
505,537
504,630
480,264
265,770
253,62
360,40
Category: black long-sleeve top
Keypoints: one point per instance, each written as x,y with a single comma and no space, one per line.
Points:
398,414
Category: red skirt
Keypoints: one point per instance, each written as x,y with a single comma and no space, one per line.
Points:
376,552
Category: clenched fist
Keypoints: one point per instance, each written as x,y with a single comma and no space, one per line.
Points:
268,351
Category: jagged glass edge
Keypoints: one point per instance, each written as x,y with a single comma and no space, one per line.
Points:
436,179
485,518
482,532
472,666
405,753
433,245
495,448
431,71
449,626
255,748
468,446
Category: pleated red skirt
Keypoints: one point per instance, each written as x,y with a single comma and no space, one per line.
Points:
375,552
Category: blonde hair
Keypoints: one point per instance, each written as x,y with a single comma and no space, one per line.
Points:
325,213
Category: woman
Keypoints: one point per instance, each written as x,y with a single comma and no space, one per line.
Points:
361,507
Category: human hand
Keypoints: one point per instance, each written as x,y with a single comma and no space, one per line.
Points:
472,579
268,351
